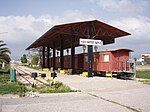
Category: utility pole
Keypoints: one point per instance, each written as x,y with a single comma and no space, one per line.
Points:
134,68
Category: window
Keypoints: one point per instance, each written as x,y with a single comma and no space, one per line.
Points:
86,58
106,58
58,59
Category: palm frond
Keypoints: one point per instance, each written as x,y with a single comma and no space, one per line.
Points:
1,41
2,45
5,58
4,50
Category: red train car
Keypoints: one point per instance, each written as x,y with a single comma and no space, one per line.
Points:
114,61
111,61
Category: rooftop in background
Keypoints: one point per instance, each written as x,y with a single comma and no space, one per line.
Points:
120,49
67,32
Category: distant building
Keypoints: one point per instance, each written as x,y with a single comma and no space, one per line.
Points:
145,55
141,59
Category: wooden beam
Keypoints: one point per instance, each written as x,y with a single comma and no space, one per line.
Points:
43,57
54,56
62,54
48,60
72,55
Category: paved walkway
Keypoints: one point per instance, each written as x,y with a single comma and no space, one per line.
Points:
124,92
69,102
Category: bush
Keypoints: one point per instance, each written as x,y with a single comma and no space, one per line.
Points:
55,88
12,88
7,87
24,59
4,70
34,60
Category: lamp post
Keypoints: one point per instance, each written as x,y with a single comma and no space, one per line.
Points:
57,53
95,48
67,51
84,48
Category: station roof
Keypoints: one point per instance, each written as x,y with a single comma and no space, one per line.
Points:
77,30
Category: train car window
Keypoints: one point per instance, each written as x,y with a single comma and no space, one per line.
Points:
106,58
94,58
86,58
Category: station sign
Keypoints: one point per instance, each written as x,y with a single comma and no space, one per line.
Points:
90,42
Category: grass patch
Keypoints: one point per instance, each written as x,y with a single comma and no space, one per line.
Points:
7,87
143,74
58,87
4,70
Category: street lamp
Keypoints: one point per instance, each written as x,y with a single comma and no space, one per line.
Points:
95,48
67,51
57,53
84,48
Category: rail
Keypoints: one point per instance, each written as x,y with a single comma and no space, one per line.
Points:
26,73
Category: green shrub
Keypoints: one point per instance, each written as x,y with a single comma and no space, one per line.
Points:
12,88
4,70
4,78
58,87
7,87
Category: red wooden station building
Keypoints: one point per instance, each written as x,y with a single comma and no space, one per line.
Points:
64,36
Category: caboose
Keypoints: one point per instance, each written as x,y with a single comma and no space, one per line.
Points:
114,61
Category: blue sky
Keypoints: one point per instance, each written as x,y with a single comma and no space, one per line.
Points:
26,20
42,7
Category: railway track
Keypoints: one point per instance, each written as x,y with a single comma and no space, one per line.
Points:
24,76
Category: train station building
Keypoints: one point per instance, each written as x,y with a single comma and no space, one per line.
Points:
67,36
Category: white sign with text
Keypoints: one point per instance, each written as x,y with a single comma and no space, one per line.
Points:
90,42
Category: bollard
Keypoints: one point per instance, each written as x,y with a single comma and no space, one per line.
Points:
34,76
43,75
53,74
12,75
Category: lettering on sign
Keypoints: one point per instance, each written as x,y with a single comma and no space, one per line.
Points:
90,42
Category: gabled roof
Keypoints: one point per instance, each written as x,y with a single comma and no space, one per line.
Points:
67,32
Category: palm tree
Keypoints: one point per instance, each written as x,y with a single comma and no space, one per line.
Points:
4,52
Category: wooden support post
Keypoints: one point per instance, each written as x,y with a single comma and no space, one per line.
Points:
54,56
90,52
62,54
72,56
48,51
43,57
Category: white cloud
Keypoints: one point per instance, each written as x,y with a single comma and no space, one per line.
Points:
139,40
23,30
139,27
123,6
